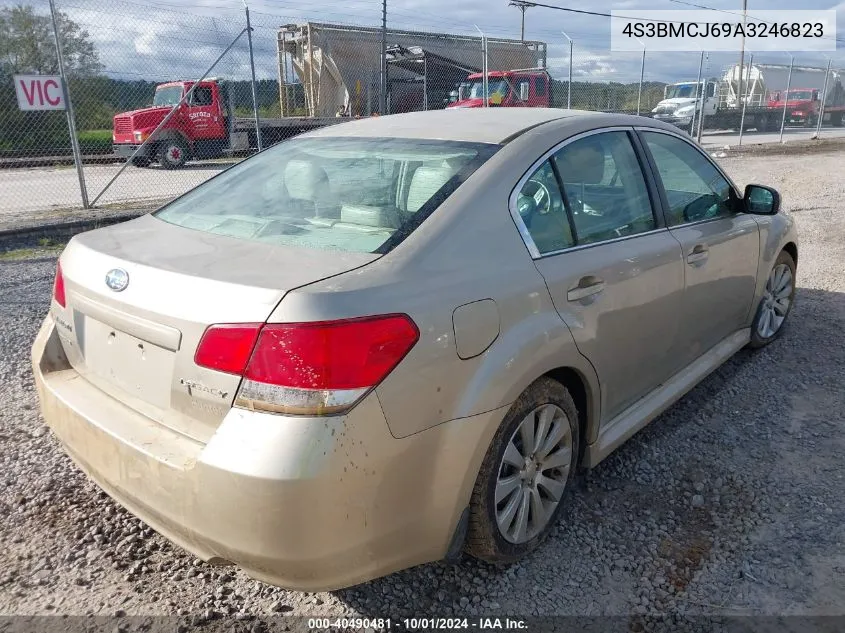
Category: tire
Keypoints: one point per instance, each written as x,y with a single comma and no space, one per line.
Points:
141,161
836,119
173,153
485,538
763,332
772,124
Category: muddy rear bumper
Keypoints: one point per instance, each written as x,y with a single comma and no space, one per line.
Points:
304,503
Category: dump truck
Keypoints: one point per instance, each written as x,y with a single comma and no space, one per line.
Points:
756,90
340,66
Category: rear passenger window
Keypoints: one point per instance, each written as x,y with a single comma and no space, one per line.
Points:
604,188
543,212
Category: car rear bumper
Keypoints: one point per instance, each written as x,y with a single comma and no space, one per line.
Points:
304,503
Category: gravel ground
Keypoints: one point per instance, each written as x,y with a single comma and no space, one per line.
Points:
731,503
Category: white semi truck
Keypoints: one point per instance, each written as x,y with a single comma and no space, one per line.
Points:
762,91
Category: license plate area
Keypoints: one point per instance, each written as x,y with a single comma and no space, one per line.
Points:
141,369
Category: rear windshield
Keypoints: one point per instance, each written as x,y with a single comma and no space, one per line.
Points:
346,194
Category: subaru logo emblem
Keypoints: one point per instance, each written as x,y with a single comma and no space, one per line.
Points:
117,279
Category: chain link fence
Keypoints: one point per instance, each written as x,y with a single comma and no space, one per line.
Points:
147,132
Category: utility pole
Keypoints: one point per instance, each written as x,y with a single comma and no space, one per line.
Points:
742,50
522,5
382,97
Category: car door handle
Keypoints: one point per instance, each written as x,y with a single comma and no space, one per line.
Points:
587,287
698,255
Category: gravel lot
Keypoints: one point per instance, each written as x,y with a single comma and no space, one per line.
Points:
731,503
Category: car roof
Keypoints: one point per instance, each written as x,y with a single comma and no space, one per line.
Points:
478,125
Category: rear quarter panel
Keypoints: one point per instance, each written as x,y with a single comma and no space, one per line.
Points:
468,250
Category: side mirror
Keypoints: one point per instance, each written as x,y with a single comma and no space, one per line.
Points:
523,91
761,200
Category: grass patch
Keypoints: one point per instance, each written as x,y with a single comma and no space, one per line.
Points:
95,141
94,136
46,248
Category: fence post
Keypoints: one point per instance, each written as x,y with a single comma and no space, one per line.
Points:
703,99
745,97
484,81
786,95
642,76
700,114
824,99
382,93
252,69
569,84
71,120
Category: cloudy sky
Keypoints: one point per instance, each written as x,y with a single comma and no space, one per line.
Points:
162,39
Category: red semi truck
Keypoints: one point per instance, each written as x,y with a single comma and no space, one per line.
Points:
507,89
202,127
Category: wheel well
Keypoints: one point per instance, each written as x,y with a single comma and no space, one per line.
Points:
577,387
792,249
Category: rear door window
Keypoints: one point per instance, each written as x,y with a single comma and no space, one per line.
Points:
604,188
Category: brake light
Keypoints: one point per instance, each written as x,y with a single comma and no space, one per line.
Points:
59,286
227,347
319,368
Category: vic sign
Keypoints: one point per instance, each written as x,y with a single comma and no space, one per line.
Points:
39,92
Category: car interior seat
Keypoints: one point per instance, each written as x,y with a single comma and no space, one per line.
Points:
309,187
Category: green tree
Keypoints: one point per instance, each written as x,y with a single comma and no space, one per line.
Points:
27,44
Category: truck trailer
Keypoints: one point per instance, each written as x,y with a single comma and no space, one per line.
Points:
338,68
758,91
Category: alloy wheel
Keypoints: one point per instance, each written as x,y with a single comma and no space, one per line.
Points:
533,473
776,301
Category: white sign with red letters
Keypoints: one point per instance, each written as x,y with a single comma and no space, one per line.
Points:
39,92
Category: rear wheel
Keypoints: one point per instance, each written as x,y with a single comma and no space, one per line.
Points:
776,303
836,119
172,153
521,487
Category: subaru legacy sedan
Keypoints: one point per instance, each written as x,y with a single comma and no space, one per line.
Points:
397,339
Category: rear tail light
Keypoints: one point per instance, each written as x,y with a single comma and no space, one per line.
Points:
59,286
227,347
319,368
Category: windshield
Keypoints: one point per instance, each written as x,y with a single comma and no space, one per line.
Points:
168,96
800,95
494,86
681,91
346,194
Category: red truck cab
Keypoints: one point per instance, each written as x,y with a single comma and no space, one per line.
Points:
197,129
802,105
506,89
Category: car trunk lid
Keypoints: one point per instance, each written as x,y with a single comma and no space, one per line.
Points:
138,343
